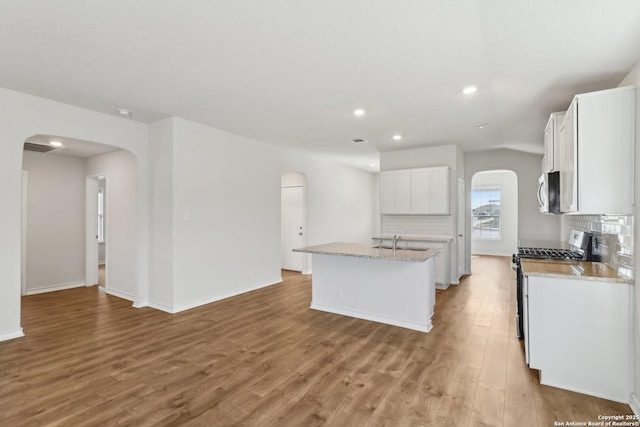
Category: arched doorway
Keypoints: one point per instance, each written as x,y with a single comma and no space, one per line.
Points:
293,224
62,237
494,213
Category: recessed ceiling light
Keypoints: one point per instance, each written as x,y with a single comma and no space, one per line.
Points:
55,143
124,112
397,137
359,141
483,125
359,112
469,90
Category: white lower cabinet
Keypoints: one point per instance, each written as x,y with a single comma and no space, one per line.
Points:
578,334
441,262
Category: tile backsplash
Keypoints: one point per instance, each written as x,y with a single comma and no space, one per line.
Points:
614,238
417,225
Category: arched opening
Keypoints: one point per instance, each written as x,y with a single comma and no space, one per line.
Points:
494,213
64,183
293,224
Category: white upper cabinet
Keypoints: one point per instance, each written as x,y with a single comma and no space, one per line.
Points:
597,151
552,142
403,191
420,191
388,192
423,191
439,190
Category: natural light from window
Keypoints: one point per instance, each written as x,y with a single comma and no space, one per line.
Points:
485,205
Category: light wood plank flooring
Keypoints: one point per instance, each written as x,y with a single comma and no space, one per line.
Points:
265,358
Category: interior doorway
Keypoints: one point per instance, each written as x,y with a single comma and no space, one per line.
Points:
293,221
96,231
494,213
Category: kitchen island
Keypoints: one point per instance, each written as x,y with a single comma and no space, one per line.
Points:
383,285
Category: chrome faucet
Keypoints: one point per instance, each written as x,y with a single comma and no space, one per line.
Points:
396,239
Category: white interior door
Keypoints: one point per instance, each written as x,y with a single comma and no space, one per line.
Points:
291,227
461,231
91,232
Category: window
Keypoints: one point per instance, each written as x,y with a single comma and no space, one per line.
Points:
100,215
485,205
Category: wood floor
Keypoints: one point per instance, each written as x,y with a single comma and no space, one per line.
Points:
265,358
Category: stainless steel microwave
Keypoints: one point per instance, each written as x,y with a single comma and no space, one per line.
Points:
549,192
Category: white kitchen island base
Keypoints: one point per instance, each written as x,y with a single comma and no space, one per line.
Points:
391,291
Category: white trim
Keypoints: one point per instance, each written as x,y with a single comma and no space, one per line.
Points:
54,288
634,402
140,304
25,232
306,272
161,307
91,230
12,335
442,286
194,304
119,294
375,317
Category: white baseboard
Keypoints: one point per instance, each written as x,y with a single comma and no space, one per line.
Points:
194,304
635,404
374,317
442,286
11,335
161,307
140,304
54,288
119,294
306,272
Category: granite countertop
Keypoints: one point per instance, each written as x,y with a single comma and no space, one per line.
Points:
416,239
581,270
366,251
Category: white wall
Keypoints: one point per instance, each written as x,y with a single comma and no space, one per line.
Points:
55,225
226,209
507,181
120,169
22,116
633,78
532,225
161,161
443,155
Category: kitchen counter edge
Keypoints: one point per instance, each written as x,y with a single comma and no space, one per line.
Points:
360,250
577,270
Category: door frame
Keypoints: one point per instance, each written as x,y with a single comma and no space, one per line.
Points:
91,269
25,241
462,261
306,263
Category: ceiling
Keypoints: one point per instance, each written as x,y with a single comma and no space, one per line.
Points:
291,72
72,147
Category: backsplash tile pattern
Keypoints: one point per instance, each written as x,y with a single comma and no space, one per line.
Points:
417,225
614,237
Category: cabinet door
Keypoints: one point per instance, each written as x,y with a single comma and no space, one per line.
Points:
548,161
420,191
387,192
568,169
557,119
403,191
439,190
